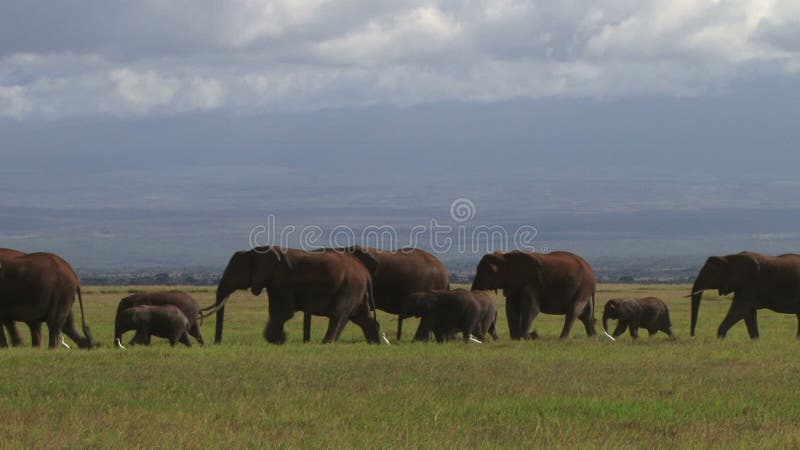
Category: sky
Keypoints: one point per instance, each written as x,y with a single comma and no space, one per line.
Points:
131,59
140,128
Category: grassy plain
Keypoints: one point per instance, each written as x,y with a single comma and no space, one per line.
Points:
579,393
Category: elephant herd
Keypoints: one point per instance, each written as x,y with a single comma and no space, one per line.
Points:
350,284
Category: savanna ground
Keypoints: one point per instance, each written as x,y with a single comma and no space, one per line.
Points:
586,393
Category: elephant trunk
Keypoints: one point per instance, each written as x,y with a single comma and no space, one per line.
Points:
697,295
222,296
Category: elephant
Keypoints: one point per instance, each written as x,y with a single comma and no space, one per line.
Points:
13,334
446,312
181,300
321,282
553,283
649,313
165,321
41,287
398,274
757,281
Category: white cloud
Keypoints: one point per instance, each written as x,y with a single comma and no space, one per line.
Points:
151,57
143,91
13,102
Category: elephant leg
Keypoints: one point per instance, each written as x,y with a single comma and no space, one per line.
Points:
751,321
139,338
13,333
528,312
798,326
400,328
634,331
651,332
194,331
3,341
668,331
470,327
184,339
54,331
72,333
335,326
369,326
512,314
36,333
588,320
306,327
568,322
737,312
423,333
621,327
440,335
570,319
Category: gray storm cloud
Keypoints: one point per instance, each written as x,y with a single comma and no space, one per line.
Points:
72,58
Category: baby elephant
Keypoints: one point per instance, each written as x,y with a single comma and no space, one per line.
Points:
164,321
445,313
649,313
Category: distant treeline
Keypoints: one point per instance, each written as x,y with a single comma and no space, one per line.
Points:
458,276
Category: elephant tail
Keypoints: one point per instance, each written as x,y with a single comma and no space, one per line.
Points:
86,331
371,300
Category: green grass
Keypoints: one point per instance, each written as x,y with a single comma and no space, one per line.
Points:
586,393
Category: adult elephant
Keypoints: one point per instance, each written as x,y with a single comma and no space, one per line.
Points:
13,334
757,281
398,274
41,287
321,282
559,283
183,301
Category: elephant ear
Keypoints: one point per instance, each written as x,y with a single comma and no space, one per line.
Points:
282,256
264,260
743,272
612,305
532,267
365,257
495,262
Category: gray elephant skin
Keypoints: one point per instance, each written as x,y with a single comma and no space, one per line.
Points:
179,299
398,273
321,282
164,321
756,281
447,312
36,288
649,313
560,283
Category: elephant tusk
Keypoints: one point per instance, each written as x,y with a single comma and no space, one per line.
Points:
119,343
472,339
64,343
609,336
385,339
693,294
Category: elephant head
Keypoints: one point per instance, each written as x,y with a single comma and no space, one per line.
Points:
418,304
491,272
611,311
727,274
507,271
254,269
